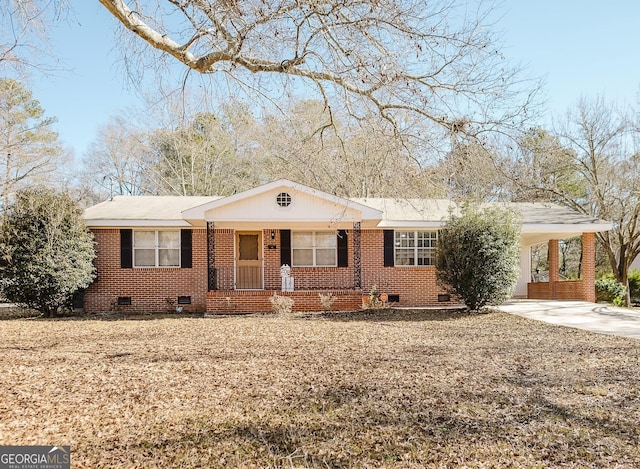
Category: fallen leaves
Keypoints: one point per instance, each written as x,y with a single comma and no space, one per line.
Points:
410,389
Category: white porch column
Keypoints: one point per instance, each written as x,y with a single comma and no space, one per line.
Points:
525,272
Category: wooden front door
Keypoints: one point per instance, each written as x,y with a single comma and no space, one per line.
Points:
249,260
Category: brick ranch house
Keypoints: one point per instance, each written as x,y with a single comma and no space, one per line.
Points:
224,254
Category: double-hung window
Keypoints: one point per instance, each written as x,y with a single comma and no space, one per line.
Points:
314,248
414,248
156,248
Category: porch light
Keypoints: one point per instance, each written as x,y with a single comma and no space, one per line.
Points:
273,234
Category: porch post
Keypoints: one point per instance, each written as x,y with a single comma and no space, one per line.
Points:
212,283
357,256
554,266
589,266
525,273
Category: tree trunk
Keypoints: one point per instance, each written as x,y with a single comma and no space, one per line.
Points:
628,296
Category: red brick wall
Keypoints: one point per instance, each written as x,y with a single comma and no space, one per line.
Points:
561,290
539,291
272,279
225,258
417,286
305,278
589,266
555,289
149,288
239,302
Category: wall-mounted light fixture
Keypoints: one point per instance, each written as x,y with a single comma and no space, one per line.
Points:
273,234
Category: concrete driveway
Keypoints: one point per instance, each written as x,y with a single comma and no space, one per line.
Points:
594,317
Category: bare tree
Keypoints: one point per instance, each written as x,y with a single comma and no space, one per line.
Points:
472,171
199,159
29,148
115,161
593,166
540,160
410,61
23,33
609,165
344,157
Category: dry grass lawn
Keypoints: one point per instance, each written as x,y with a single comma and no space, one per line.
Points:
412,389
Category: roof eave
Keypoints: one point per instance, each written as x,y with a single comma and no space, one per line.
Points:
410,224
526,227
566,227
123,223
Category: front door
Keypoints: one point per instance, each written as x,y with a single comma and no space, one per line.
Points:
249,260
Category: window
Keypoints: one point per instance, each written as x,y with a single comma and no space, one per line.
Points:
415,247
314,248
156,249
283,199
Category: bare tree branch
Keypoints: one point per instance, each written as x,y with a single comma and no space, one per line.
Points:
432,60
23,34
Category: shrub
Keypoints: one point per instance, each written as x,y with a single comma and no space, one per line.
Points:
281,305
375,300
327,300
634,284
610,290
478,254
47,251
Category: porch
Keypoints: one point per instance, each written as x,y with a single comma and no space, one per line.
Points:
264,276
557,289
247,289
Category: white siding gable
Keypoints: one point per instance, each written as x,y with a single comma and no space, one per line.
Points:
258,207
304,209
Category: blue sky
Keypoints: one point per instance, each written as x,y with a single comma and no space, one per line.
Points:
586,47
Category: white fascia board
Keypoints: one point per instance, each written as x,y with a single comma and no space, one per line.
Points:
284,221
527,228
566,227
410,224
298,226
119,223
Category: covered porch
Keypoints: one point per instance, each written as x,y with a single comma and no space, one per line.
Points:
285,239
245,268
552,286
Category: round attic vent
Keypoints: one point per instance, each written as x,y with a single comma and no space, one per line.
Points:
283,199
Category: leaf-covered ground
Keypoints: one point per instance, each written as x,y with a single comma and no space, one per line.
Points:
408,389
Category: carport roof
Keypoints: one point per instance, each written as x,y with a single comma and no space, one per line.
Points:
433,212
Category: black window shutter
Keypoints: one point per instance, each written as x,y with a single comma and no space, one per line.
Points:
185,248
388,248
343,249
126,249
285,247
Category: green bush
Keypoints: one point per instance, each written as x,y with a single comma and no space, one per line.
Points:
478,255
634,284
47,251
610,290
